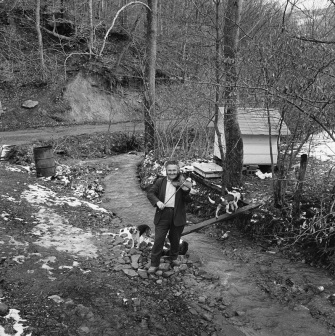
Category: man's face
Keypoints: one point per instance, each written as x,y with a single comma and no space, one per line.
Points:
172,171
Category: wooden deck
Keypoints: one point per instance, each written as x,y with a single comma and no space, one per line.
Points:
224,217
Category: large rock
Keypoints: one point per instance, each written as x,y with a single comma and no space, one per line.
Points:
29,104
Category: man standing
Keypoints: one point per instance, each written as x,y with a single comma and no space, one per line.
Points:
170,216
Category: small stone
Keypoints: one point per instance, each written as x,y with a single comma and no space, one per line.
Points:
183,267
159,273
202,299
121,260
90,316
83,330
130,272
164,267
121,267
136,302
193,311
69,302
207,316
118,240
240,313
133,251
206,276
229,312
134,266
168,274
142,273
159,281
29,103
3,309
82,311
134,258
127,260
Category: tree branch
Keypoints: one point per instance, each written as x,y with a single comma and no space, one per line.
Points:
312,40
116,16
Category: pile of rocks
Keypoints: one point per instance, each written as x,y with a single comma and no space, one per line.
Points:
135,262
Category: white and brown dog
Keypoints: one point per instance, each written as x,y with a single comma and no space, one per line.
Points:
137,234
229,201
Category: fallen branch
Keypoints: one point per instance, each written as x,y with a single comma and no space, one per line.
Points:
61,37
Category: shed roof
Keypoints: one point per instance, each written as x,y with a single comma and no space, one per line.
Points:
254,121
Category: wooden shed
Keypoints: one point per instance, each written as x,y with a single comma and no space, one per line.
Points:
254,128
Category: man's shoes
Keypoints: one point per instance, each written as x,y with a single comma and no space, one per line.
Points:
152,269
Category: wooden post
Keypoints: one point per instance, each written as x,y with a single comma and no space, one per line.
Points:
298,192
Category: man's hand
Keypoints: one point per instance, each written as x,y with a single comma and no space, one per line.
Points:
160,205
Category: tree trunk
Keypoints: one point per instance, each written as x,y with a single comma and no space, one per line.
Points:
91,40
39,37
149,78
218,94
234,143
298,192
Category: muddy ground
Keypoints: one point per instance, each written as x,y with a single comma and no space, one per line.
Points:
62,278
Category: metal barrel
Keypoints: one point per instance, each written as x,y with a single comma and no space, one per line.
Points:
44,161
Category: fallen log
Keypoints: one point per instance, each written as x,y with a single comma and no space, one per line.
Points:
224,217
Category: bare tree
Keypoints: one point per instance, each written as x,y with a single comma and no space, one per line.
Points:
150,78
91,38
39,37
234,145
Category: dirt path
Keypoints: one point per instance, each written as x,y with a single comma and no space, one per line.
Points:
44,133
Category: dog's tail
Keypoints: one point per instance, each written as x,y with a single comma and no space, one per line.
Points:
213,202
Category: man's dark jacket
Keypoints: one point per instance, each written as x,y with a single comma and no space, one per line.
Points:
157,193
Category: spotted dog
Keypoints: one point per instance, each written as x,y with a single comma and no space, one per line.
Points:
136,234
229,201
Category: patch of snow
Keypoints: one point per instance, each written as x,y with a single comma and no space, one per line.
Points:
46,260
19,259
55,231
18,326
11,168
75,264
9,198
48,268
5,215
321,147
37,194
12,241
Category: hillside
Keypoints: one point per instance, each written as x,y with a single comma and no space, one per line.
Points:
77,88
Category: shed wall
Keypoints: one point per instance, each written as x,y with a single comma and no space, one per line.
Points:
256,149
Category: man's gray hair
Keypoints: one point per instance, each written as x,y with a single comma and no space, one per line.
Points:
171,162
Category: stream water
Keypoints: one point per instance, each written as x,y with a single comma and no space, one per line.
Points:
267,294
